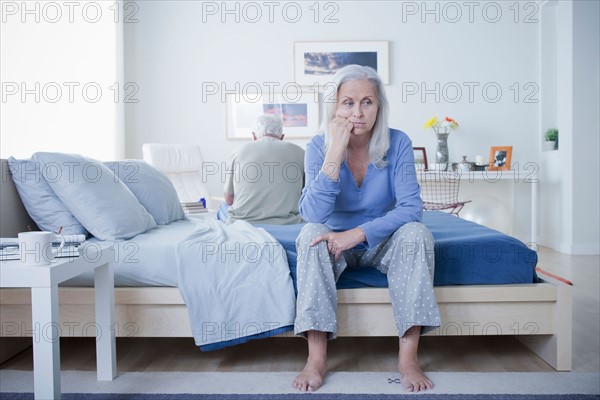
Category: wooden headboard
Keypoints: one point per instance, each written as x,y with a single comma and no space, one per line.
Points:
13,216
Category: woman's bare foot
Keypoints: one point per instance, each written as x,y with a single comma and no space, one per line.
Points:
413,378
311,377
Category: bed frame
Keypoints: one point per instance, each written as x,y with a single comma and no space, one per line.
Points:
539,315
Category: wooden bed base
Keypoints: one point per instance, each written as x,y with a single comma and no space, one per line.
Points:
539,315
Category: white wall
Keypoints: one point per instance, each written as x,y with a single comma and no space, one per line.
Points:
59,61
569,186
586,127
171,49
555,191
171,52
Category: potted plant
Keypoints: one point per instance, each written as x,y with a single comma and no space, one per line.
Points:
551,137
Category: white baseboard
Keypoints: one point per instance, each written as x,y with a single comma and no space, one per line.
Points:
577,249
585,249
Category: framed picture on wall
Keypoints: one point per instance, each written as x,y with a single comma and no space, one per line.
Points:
420,158
500,157
299,112
316,62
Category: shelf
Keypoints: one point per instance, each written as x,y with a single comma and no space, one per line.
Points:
489,176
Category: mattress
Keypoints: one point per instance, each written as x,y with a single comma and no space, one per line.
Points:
147,259
466,253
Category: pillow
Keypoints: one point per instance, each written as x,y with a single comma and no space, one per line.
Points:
42,205
95,196
151,187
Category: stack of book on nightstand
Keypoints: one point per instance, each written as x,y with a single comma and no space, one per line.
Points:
194,207
9,247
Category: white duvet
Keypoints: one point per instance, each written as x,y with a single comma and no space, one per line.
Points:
235,281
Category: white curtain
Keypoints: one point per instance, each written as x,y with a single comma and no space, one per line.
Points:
62,79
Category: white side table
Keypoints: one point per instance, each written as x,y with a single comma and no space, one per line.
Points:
43,281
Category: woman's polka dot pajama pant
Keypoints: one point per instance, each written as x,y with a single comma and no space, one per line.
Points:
406,257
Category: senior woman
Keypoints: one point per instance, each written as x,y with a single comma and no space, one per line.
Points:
363,208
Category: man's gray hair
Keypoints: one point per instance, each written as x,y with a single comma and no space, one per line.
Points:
268,124
380,141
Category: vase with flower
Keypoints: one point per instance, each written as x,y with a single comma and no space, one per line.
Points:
442,130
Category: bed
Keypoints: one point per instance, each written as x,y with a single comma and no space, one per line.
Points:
537,312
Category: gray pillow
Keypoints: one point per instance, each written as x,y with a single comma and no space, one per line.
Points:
42,205
95,196
151,187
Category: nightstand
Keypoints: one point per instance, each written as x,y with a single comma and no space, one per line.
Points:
46,328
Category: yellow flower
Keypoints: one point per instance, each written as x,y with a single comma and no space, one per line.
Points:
445,126
430,123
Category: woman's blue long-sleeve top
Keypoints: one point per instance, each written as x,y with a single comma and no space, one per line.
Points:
388,198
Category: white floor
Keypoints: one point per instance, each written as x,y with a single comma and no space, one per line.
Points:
456,365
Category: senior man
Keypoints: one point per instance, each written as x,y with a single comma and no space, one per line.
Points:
265,177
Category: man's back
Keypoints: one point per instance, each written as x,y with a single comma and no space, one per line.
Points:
266,178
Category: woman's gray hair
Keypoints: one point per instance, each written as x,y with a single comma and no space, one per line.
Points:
268,124
380,141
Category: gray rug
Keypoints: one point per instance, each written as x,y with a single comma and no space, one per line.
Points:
338,385
316,396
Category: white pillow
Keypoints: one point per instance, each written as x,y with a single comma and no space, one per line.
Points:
151,187
95,196
42,205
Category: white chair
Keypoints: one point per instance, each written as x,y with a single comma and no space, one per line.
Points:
183,165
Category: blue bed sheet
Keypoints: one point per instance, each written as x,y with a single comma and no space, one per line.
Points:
466,253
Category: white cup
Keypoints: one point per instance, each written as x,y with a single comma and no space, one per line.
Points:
35,247
479,160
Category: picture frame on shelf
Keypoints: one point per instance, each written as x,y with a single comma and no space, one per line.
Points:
317,62
420,155
500,158
299,112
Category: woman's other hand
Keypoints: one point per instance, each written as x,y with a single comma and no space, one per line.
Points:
337,242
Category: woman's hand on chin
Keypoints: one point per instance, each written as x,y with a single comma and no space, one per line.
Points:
339,130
